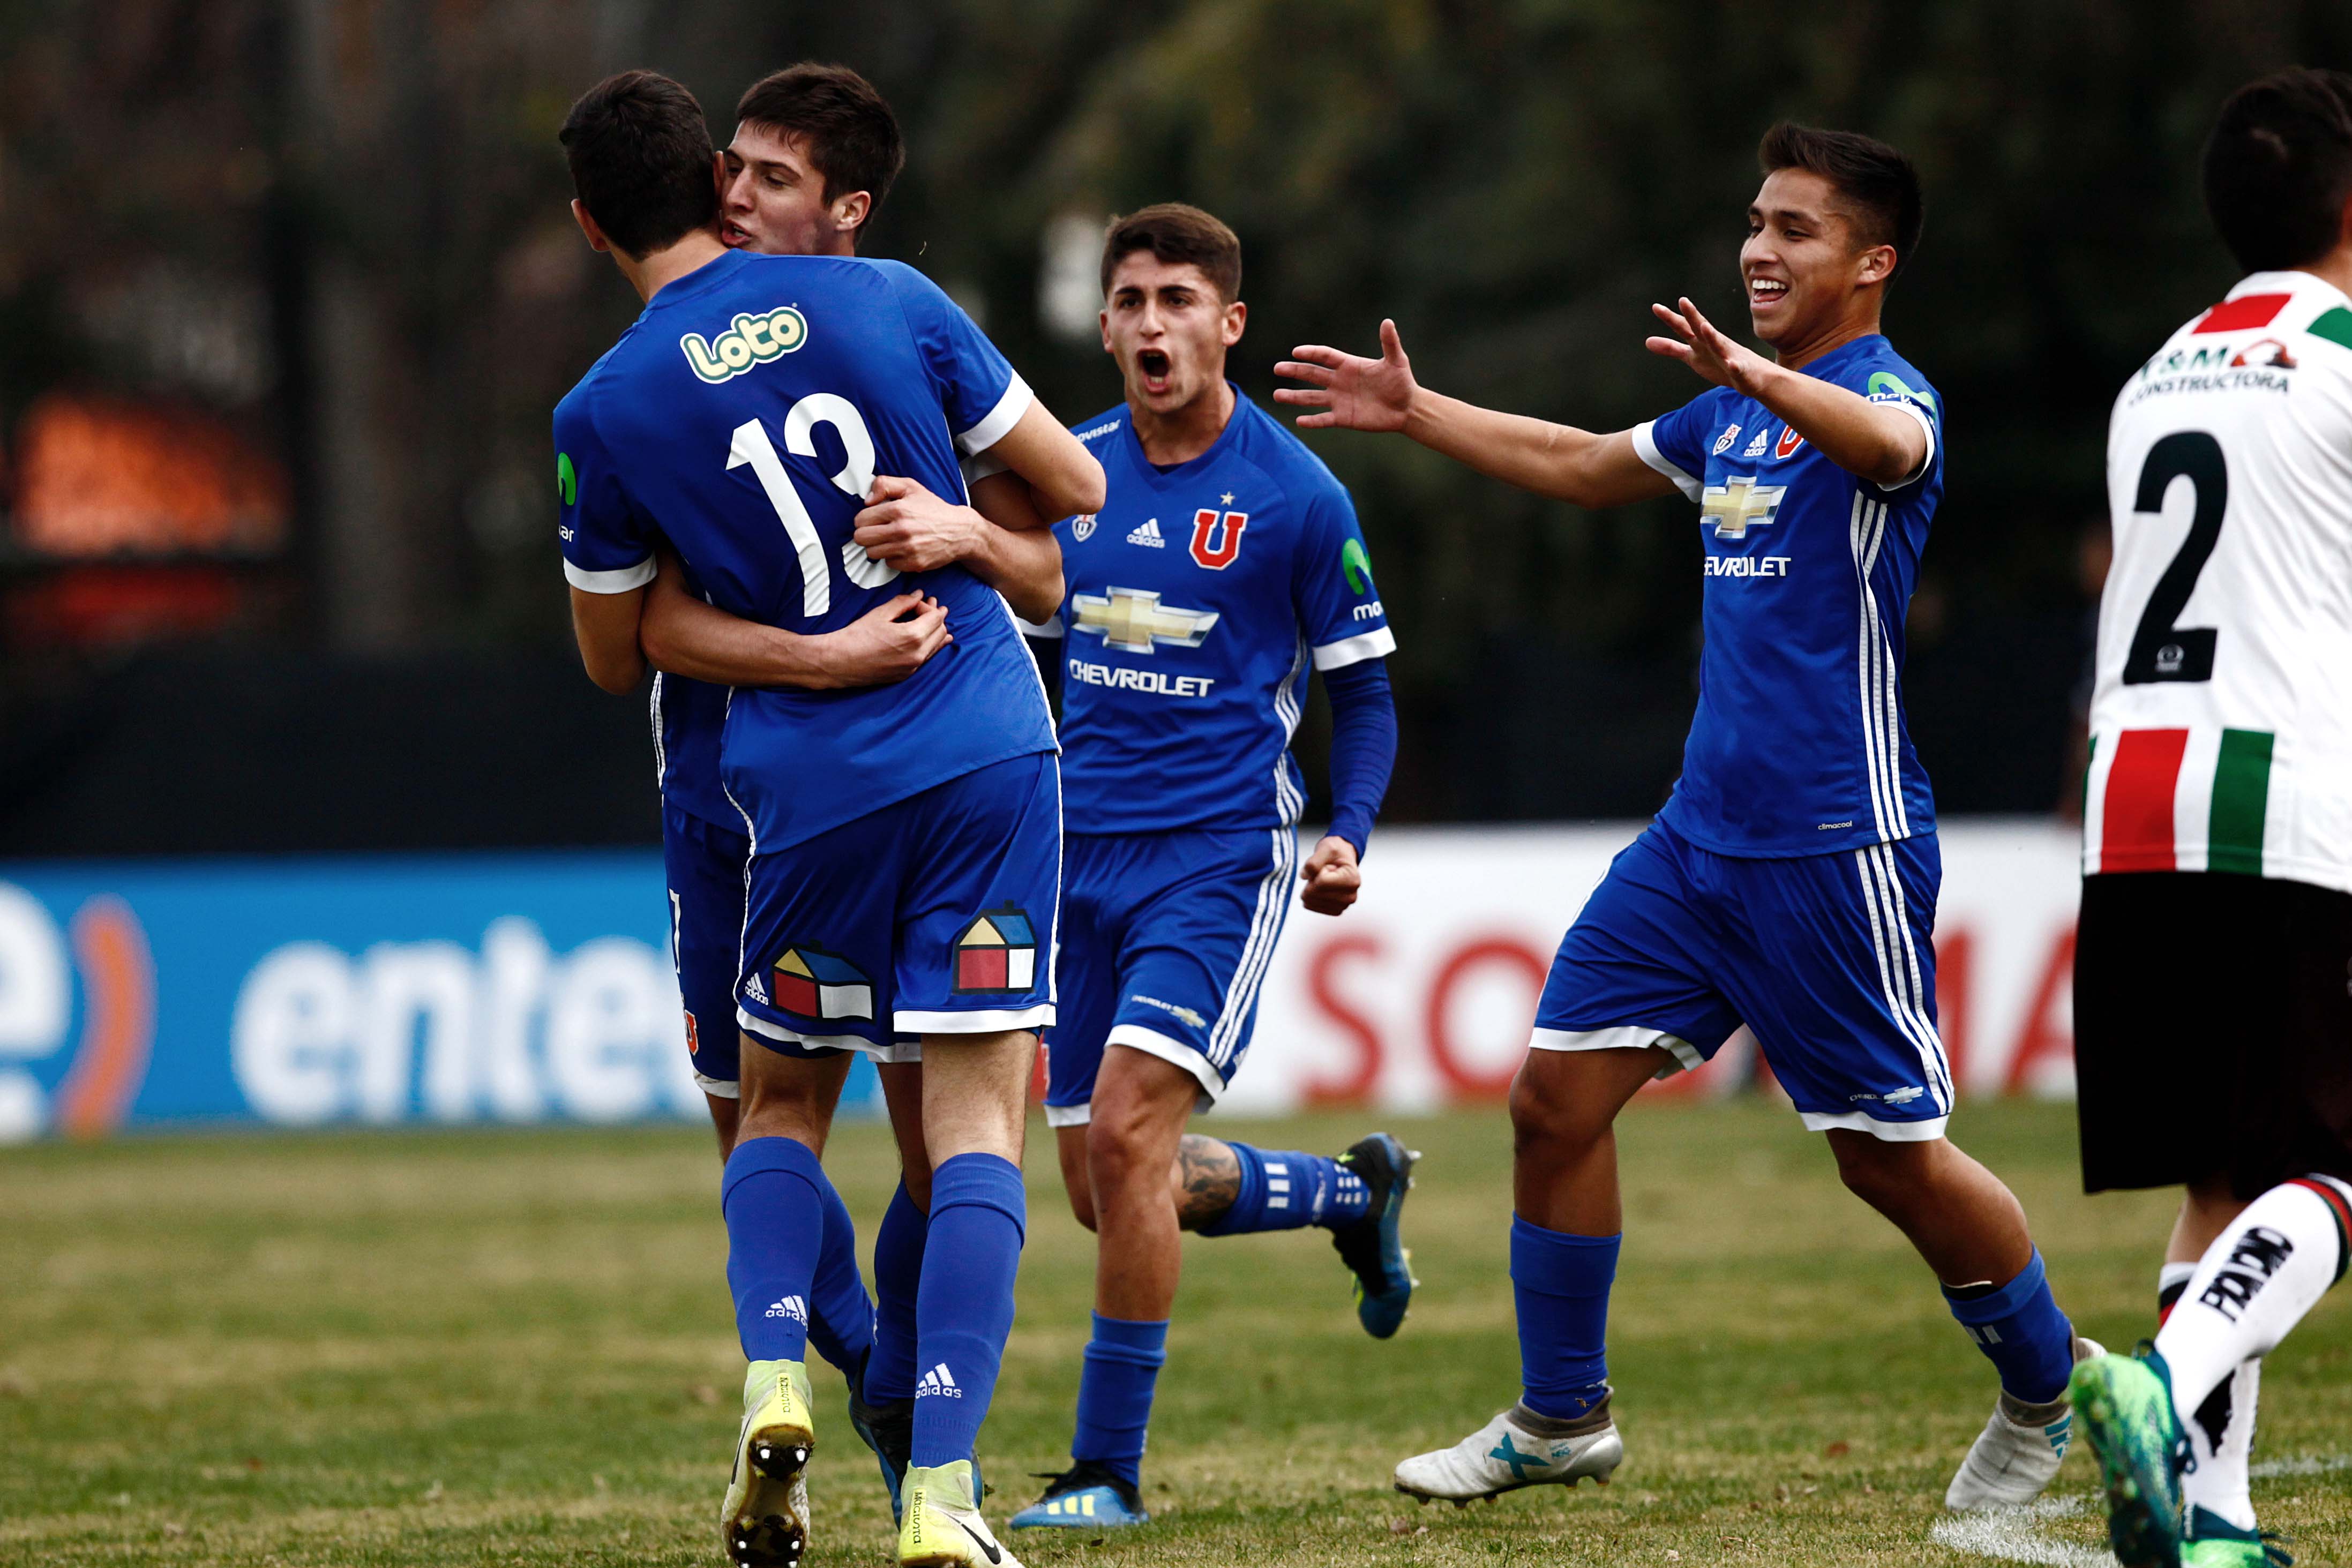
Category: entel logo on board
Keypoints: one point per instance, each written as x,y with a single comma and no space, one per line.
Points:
109,950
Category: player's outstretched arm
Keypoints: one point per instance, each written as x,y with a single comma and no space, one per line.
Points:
1878,442
999,537
605,627
1064,473
1348,392
683,636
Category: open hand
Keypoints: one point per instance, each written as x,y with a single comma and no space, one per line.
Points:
888,643
1715,357
905,526
1331,876
1354,392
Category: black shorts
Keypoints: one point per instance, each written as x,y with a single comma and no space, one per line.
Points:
2213,1030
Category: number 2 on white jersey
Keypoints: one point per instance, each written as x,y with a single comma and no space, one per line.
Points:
750,444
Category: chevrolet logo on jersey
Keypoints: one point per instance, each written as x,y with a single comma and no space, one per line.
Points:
1133,619
1732,507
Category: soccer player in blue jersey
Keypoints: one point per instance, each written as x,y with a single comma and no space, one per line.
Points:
815,154
904,876
1224,564
1791,880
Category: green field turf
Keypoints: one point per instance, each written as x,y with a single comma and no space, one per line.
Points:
515,1348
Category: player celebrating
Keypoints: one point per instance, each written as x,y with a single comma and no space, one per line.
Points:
2212,1016
1791,880
904,875
1225,560
815,154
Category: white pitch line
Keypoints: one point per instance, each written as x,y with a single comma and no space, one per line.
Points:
2013,1534
2302,1465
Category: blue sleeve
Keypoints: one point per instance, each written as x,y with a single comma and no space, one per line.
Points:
1363,747
982,396
1332,588
607,546
1676,444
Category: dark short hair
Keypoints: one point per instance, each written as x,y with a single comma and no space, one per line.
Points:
853,138
640,157
2278,169
1177,235
1877,180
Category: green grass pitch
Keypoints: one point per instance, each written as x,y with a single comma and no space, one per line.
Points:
515,1348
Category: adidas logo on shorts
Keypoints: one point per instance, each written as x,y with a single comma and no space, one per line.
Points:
1148,535
938,1381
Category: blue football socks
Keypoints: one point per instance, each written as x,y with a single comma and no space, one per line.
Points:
2022,1331
1562,1284
1122,1362
898,1277
841,1319
964,1308
772,1196
1283,1190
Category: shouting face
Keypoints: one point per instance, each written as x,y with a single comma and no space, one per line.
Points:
1168,329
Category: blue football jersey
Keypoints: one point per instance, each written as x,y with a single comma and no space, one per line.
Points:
1799,745
1196,600
687,717
744,417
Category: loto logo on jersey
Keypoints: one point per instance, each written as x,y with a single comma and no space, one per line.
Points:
997,952
817,983
1787,443
1224,531
752,342
1133,620
1738,504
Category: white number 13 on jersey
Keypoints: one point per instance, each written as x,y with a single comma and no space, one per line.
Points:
750,444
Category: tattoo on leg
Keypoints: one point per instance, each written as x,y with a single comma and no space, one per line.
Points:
1208,1180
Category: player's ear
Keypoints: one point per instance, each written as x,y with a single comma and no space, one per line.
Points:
1236,319
1102,319
596,240
851,209
1877,265
718,175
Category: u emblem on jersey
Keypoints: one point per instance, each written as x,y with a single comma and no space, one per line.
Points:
1217,536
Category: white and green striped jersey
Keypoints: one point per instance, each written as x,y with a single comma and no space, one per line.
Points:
2221,720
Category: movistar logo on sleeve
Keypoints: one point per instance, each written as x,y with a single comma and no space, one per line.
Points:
752,342
1357,565
1886,384
567,479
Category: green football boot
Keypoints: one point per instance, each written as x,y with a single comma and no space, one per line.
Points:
2214,1543
2125,1406
764,1520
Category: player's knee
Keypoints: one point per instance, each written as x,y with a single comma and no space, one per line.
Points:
1115,1154
1885,1175
1548,1118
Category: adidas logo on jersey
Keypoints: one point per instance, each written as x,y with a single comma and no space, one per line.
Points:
939,1384
1148,535
793,1307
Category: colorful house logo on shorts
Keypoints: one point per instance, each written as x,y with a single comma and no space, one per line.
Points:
997,952
819,985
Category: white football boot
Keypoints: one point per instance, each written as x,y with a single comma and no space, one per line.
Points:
942,1527
1504,1455
2017,1455
764,1520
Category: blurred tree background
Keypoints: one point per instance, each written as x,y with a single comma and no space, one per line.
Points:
288,290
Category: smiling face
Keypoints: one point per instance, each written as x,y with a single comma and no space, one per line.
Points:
1168,327
772,199
1808,260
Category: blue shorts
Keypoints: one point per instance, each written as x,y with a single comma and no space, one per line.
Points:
703,863
1828,958
1169,938
934,915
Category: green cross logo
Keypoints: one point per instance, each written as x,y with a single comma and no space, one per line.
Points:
567,479
1357,565
1510,1455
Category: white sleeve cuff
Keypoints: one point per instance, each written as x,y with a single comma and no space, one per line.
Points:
1000,420
984,466
1377,644
1051,629
619,581
1927,459
1645,447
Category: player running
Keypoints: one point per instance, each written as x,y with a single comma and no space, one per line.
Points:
2213,1031
1791,880
1225,560
815,154
904,875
